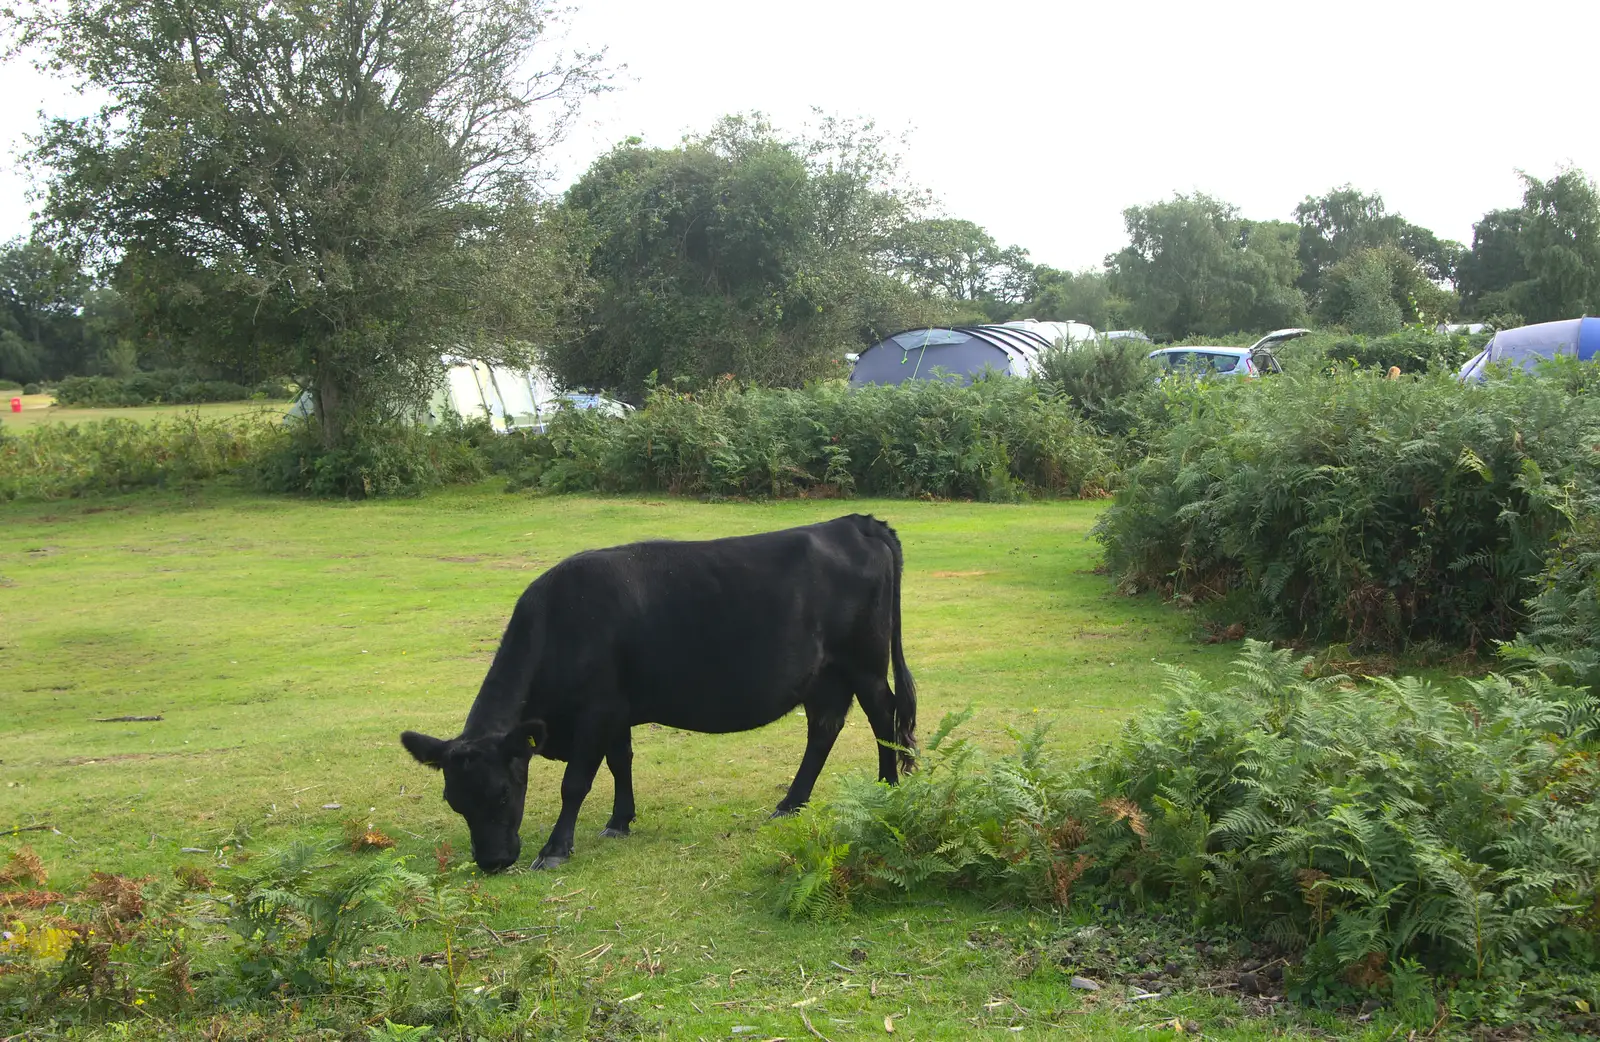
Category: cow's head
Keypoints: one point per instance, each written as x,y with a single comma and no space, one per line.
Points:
485,781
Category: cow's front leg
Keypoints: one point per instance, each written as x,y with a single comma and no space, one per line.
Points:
619,758
825,711
575,785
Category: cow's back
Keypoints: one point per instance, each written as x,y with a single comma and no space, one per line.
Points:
720,635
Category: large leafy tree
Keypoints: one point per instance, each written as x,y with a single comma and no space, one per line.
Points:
1075,296
42,332
1194,266
346,187
739,252
1541,260
1345,222
960,261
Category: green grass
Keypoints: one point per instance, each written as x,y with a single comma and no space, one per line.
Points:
287,643
40,408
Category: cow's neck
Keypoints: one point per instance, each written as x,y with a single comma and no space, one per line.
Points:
501,704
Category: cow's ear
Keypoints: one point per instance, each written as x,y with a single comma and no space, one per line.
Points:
429,751
525,738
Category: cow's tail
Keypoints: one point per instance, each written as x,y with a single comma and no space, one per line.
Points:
905,687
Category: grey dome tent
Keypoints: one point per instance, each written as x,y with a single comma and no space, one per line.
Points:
1527,346
962,351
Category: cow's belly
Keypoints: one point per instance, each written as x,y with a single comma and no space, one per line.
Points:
717,716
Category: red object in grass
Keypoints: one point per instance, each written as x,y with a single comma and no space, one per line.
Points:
16,405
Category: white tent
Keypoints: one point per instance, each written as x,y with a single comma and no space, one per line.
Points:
509,397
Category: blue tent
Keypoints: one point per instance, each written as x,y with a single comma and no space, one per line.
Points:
1527,346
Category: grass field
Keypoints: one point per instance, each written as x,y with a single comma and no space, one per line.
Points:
41,408
287,643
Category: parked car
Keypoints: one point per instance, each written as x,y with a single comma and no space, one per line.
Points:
1207,361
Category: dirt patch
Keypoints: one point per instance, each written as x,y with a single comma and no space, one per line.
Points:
461,560
958,575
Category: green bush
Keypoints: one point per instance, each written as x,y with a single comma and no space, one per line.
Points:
57,460
9,386
1104,379
994,440
162,387
1354,508
1413,350
1561,635
1359,828
379,460
33,389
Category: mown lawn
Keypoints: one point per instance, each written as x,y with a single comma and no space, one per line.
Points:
41,408
286,644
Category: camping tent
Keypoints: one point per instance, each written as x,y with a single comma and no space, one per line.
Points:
509,397
1527,346
964,351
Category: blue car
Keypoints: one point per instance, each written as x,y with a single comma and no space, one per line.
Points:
1207,361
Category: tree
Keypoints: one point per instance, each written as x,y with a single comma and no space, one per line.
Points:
1560,246
1346,221
41,329
347,186
1075,296
961,261
1378,289
1193,265
739,252
1541,260
1494,264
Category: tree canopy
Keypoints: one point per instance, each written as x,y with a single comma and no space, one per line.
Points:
346,186
1193,265
738,252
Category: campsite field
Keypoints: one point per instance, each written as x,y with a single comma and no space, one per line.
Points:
286,643
40,408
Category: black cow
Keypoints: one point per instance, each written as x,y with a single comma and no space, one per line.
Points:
716,636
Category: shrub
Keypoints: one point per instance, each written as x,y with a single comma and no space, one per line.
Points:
994,440
1350,507
1412,350
10,386
56,461
166,386
1104,379
1356,827
33,389
379,460
1562,631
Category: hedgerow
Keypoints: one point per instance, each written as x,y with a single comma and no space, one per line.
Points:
994,440
1362,829
1350,507
160,387
59,461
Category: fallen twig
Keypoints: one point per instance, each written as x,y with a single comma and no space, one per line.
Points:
27,828
127,719
812,1028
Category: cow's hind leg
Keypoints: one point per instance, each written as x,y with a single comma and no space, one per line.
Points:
620,759
587,751
826,705
877,701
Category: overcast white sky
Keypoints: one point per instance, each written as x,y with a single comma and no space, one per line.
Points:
1043,120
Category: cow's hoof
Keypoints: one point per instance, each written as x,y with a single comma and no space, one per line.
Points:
612,832
786,812
549,861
